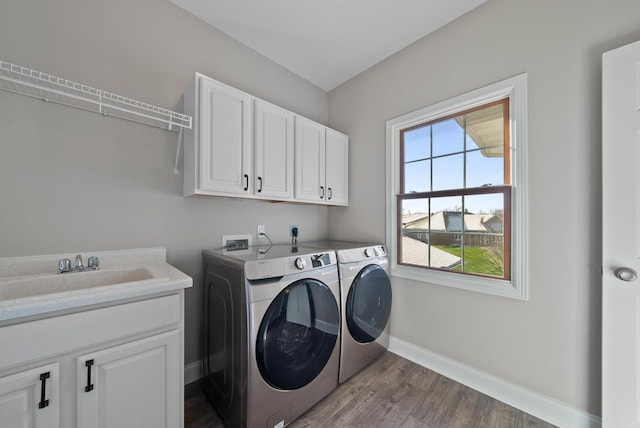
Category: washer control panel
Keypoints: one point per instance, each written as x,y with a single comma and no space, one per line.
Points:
273,268
320,260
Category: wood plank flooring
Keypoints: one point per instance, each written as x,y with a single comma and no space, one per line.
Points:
391,392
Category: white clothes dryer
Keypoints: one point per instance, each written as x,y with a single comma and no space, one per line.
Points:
271,332
365,293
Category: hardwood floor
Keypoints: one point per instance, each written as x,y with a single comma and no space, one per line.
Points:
391,392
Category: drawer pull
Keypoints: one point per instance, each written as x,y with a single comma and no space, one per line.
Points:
88,365
43,388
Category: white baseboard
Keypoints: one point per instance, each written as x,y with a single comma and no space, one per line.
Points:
538,405
192,372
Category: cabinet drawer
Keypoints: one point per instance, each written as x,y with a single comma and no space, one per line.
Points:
44,338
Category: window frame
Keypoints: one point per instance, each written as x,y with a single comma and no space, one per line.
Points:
515,89
504,188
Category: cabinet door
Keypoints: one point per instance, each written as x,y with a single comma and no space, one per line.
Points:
134,385
30,399
337,170
225,139
273,151
310,161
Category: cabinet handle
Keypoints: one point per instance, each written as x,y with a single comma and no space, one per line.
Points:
246,182
88,365
330,193
43,387
321,192
259,184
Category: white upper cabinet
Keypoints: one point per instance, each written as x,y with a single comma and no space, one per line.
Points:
242,146
337,168
273,151
321,164
310,161
217,151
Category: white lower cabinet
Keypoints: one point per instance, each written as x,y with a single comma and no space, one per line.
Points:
30,399
120,366
130,385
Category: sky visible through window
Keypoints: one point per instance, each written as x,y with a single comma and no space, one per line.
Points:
434,158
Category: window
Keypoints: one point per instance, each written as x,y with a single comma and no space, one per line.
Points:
457,191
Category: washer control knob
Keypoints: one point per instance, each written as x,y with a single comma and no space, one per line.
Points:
368,252
300,263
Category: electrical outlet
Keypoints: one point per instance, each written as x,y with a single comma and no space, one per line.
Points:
261,230
291,227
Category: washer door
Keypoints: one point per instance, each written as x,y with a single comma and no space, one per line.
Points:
368,304
297,334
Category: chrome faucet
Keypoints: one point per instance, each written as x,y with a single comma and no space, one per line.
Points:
64,265
93,263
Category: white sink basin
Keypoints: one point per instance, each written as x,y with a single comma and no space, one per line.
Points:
36,285
31,287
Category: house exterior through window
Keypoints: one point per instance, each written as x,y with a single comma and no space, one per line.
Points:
454,193
457,191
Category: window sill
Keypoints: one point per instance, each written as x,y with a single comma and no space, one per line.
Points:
496,287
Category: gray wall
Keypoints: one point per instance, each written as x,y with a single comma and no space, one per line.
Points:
550,344
73,181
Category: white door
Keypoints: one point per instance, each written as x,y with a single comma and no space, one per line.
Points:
337,170
274,151
135,385
30,399
621,237
225,138
310,161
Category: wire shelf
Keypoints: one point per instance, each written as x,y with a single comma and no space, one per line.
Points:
25,81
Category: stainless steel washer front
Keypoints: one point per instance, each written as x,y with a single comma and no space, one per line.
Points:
291,336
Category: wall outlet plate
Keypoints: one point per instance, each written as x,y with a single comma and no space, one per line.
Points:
236,242
261,229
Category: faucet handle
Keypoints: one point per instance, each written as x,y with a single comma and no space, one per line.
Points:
64,265
93,263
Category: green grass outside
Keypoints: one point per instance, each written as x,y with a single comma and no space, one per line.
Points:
476,260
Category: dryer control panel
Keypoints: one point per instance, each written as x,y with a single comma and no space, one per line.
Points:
358,254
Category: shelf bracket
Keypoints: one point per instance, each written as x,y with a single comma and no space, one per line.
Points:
176,171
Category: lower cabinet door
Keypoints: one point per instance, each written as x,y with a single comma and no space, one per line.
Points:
30,399
135,385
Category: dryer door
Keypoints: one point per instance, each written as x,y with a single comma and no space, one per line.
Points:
297,334
368,304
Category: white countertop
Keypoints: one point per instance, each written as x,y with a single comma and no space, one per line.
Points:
31,286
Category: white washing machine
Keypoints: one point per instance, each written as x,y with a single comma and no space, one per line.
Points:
365,291
271,343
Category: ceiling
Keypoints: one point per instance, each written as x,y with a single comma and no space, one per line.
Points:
327,42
